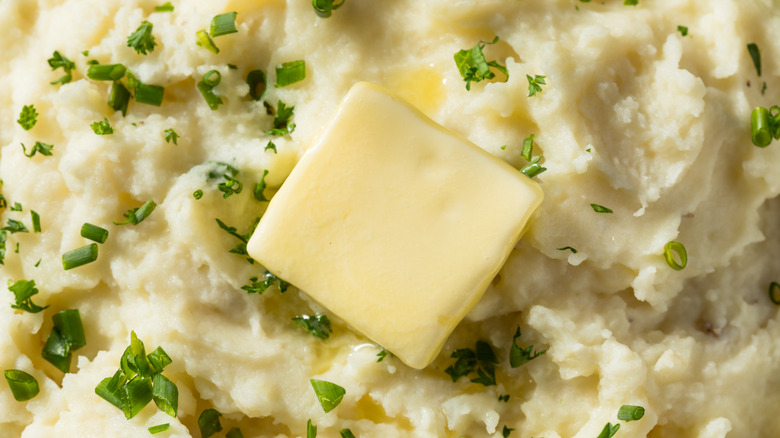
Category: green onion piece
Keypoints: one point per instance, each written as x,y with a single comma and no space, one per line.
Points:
57,351
675,247
318,325
165,394
119,97
28,117
159,359
68,322
257,84
533,168
132,81
208,422
223,24
755,55
234,433
166,7
94,233
774,292
15,226
600,208
106,72
197,194
135,216
204,40
149,94
142,39
528,147
609,430
135,395
134,360
260,187
346,433
270,146
23,386
311,429
102,127
325,8
23,291
108,388
630,413
329,394
290,72
631,2
80,256
761,127
16,207
160,427
206,87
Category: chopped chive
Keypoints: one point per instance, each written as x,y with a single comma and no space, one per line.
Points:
80,256
204,40
159,359
260,187
119,97
149,94
533,168
208,422
631,2
535,84
135,216
774,292
683,30
23,386
15,226
223,24
761,127
282,123
528,147
36,221
755,55
311,429
160,427
197,194
325,8
678,248
16,207
290,72
109,387
346,433
165,394
630,413
206,87
569,248
135,395
68,322
270,146
519,355
59,61
474,67
166,7
94,233
329,394
106,72
609,429
57,351
600,208
257,84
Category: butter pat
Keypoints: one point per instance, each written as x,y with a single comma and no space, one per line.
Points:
394,223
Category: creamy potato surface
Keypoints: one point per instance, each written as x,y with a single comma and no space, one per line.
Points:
641,114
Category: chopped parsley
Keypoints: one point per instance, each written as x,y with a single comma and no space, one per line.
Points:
282,123
260,188
519,355
16,207
765,125
159,428
755,55
271,146
535,84
317,325
23,291
142,39
234,433
382,354
683,30
171,136
325,8
329,394
80,256
56,61
3,239
506,431
230,186
631,2
257,286
139,380
567,248
533,167
39,147
346,433
503,398
28,117
243,239
15,226
36,221
135,216
102,127
482,360
474,68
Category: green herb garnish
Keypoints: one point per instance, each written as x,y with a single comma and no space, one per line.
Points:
519,355
94,233
23,291
317,325
609,430
291,72
282,123
474,68
14,226
160,427
135,216
142,39
208,422
683,30
106,72
171,136
672,248
223,24
119,97
36,221
58,61
66,336
102,127
23,386
257,84
535,84
325,8
329,394
28,117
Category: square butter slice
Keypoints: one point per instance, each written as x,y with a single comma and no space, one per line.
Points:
394,223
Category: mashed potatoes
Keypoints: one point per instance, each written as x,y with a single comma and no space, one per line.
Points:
636,115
